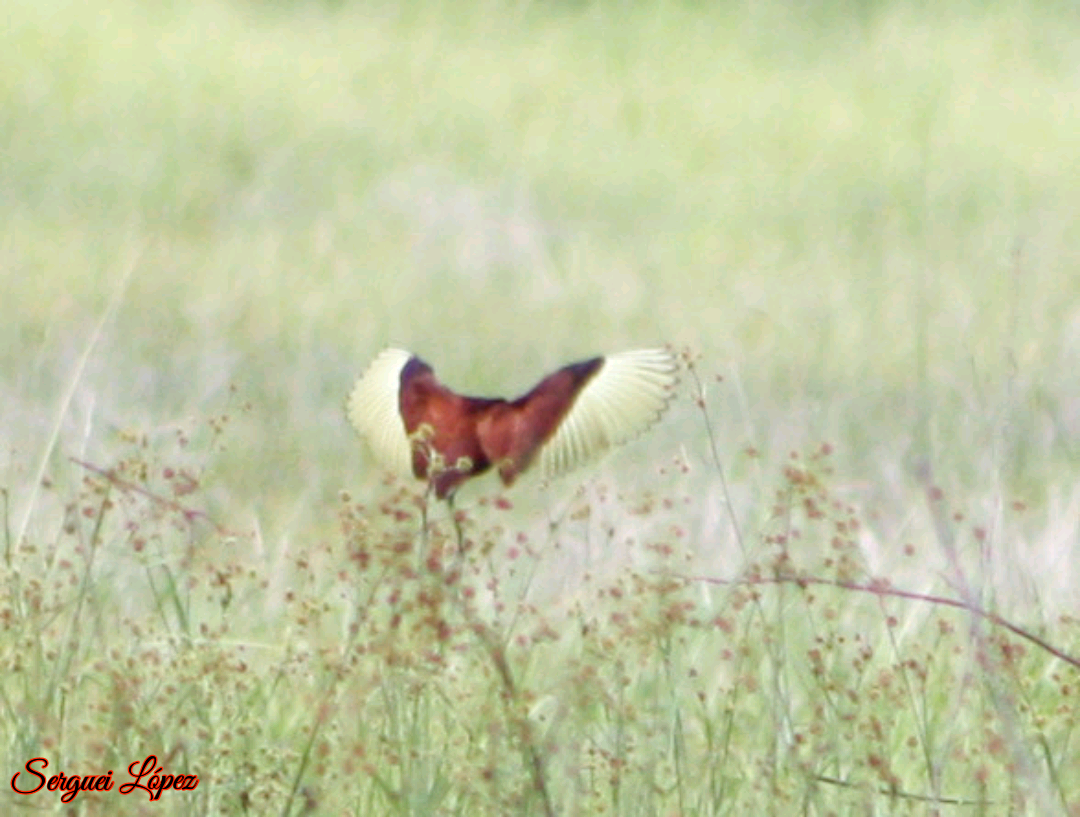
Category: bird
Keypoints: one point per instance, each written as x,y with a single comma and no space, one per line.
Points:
417,427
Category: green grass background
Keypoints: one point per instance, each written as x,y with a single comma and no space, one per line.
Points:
863,215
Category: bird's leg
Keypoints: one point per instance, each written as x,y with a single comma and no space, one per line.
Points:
459,557
464,465
420,443
457,527
424,524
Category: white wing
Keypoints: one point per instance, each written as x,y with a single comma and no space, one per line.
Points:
374,411
628,394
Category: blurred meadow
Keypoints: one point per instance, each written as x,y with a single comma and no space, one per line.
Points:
856,220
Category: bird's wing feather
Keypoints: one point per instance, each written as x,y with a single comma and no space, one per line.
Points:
374,411
628,394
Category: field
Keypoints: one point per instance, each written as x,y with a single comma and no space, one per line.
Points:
842,576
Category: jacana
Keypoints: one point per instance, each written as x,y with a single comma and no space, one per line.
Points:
416,426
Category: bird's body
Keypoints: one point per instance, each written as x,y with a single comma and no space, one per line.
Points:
415,425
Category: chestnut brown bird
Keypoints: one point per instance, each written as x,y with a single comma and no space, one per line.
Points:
417,426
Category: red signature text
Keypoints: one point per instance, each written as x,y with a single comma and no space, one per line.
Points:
70,785
147,776
156,782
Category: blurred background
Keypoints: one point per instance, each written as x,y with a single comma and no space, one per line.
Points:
862,215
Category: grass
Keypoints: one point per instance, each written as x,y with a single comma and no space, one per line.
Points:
840,578
542,671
